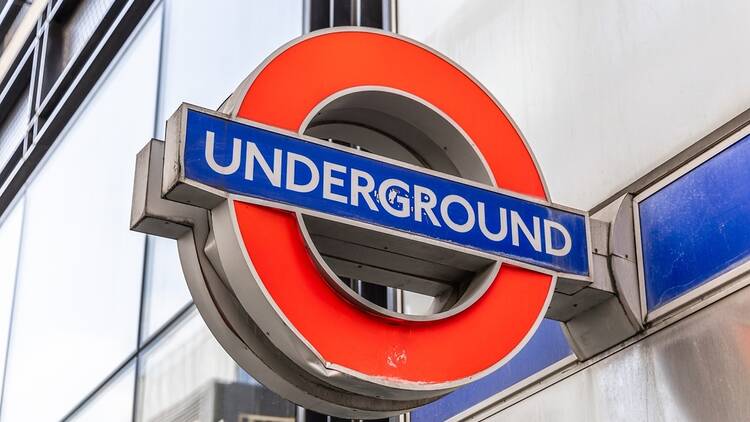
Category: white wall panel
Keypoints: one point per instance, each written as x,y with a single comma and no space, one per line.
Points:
603,90
696,370
113,403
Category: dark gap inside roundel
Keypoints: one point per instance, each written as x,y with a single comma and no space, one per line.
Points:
391,272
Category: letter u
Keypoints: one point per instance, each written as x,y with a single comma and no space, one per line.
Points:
502,231
233,166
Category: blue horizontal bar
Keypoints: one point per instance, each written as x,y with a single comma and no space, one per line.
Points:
251,161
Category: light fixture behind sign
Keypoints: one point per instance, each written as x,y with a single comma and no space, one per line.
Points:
357,153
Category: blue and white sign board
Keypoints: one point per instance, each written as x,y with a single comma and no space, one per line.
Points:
257,162
695,225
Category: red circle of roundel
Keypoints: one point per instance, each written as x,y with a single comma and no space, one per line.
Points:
441,351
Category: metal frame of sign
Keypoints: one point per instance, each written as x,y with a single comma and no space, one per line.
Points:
708,287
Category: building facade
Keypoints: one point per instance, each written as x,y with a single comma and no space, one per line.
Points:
620,101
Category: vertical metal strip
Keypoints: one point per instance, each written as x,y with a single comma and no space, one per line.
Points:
331,6
306,16
13,300
145,285
392,15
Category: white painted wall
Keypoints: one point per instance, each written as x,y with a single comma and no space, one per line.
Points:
603,90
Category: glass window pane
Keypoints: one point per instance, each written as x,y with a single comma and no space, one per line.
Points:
81,23
164,280
80,271
114,403
209,48
186,376
70,29
13,128
10,241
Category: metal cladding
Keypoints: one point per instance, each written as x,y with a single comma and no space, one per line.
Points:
247,194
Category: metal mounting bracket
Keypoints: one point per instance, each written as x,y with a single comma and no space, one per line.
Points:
615,279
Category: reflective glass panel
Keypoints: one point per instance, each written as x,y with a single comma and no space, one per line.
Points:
113,403
209,48
187,376
70,29
10,241
80,271
164,280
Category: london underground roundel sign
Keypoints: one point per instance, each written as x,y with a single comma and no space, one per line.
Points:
359,155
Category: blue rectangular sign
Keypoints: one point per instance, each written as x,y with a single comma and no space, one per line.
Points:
252,161
697,227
